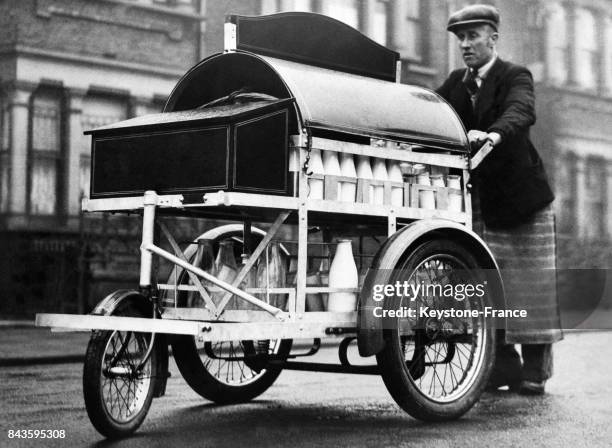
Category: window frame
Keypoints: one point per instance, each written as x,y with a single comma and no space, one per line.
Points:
594,52
59,156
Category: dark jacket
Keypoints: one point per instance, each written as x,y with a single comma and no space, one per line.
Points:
511,180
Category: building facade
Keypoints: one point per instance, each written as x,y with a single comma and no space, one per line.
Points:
70,65
67,66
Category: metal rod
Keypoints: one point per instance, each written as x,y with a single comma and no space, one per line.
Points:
196,281
148,227
255,255
325,367
278,313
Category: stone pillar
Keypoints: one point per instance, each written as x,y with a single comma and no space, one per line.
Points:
572,44
397,25
18,98
548,44
608,199
581,198
600,35
366,17
76,143
606,55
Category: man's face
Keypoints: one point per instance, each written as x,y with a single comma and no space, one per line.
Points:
477,44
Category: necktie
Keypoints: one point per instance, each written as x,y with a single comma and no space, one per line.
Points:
469,79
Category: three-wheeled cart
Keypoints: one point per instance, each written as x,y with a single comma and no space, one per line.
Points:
254,135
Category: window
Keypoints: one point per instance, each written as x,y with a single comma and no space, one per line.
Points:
4,155
566,194
346,11
596,185
587,53
97,111
557,45
379,22
534,52
46,153
414,31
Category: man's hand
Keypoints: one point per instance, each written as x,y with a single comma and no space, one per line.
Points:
478,138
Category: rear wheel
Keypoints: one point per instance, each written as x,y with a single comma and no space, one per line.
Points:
227,371
436,367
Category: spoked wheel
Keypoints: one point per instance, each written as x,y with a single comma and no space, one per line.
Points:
119,379
227,371
436,365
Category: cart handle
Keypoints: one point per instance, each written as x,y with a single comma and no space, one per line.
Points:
481,154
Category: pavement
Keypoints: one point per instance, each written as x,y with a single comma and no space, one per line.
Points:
21,343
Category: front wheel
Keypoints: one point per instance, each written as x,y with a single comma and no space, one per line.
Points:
119,379
436,367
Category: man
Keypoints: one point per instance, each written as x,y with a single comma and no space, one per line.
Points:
512,211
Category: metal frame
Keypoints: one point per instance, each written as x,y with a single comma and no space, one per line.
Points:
214,322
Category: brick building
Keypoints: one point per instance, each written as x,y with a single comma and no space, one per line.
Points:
68,65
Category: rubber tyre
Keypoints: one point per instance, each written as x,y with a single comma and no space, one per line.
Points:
93,382
395,371
208,386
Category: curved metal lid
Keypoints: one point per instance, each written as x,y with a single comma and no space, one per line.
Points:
327,99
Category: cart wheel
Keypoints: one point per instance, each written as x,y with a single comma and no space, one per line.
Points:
437,370
118,390
222,371
228,371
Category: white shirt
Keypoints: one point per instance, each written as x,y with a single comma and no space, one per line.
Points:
481,73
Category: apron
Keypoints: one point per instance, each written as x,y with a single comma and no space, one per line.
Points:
526,256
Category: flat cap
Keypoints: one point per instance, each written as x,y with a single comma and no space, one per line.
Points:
472,15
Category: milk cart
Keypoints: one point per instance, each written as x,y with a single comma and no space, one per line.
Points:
238,140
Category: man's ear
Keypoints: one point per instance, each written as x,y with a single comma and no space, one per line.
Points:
494,36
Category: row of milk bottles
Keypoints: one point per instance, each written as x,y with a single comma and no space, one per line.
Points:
428,198
328,163
377,169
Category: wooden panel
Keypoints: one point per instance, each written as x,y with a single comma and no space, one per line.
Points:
317,40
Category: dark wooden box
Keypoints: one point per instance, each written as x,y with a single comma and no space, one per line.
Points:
232,147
